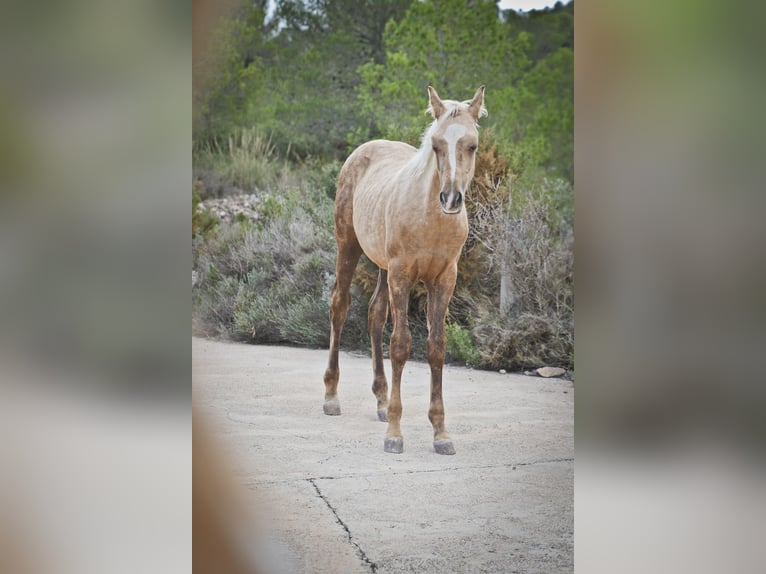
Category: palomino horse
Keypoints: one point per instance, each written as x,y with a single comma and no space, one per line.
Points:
404,208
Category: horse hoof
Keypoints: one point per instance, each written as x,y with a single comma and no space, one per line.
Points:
444,446
382,415
394,444
332,407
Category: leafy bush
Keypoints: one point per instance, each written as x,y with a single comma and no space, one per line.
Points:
460,344
325,178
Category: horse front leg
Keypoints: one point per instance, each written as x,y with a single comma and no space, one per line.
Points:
399,349
439,295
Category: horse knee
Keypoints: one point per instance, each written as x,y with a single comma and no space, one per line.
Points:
435,349
339,305
400,345
340,298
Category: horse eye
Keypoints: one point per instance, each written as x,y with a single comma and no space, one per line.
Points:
472,148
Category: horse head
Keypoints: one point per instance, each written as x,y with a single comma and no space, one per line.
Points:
454,139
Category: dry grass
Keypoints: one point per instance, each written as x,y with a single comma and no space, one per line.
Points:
245,162
532,243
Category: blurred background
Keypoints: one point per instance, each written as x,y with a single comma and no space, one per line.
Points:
670,284
95,131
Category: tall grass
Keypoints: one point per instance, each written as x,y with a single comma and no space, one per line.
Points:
245,162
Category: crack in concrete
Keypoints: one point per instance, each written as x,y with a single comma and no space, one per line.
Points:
511,465
361,553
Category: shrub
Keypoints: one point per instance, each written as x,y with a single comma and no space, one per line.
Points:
460,344
325,177
524,342
270,282
531,242
203,222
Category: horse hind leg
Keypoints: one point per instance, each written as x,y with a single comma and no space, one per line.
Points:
349,252
376,320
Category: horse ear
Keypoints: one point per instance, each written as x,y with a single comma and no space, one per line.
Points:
476,106
435,105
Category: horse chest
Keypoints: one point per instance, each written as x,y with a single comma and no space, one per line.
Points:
424,255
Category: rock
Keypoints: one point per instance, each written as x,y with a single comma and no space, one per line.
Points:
234,208
502,371
550,372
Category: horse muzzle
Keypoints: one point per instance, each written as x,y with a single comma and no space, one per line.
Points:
451,202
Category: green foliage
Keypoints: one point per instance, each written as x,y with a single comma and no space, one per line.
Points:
460,345
325,178
457,46
203,222
323,76
229,78
549,29
450,44
538,117
294,76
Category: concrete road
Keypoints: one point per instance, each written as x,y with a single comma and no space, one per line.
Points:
337,503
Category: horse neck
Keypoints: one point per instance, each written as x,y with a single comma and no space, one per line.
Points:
431,185
422,173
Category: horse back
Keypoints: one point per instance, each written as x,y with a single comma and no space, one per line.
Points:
371,159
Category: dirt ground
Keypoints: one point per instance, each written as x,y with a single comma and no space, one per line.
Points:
332,501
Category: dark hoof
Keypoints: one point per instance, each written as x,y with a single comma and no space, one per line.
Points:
332,407
382,416
444,446
394,444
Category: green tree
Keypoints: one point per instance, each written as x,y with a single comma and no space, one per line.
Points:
232,73
312,71
454,45
551,28
536,121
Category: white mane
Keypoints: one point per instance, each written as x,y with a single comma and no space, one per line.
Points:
424,159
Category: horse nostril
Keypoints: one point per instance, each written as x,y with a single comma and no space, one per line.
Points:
458,199
443,198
